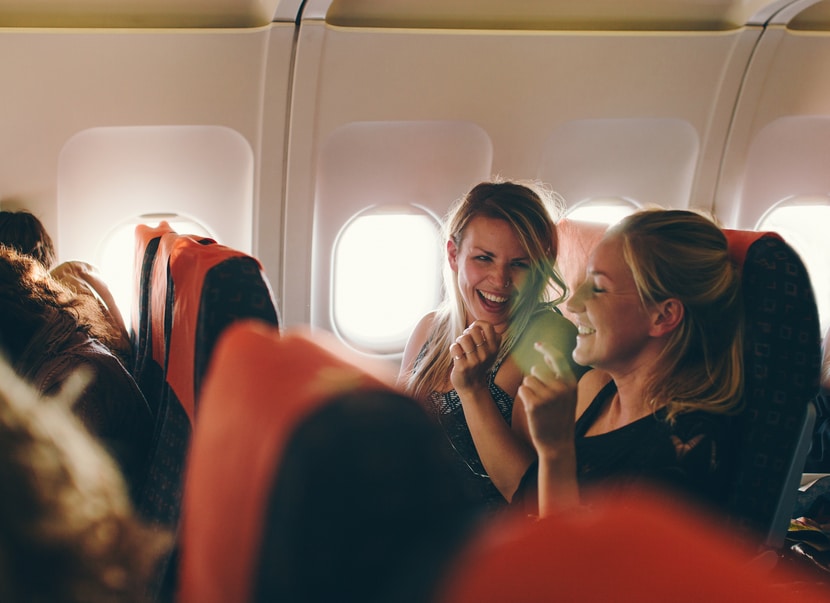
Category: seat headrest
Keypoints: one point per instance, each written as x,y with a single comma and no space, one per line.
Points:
260,385
741,240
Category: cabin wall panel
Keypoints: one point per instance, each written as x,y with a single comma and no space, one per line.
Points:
61,82
519,87
778,128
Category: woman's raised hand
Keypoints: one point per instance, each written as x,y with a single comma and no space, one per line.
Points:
549,397
473,353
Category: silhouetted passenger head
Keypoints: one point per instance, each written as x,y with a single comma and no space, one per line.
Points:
21,230
366,502
31,301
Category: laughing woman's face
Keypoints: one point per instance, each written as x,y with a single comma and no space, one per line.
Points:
492,266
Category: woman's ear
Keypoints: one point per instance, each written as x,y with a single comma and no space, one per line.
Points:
666,317
452,255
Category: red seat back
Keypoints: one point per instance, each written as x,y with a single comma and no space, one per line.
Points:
259,387
643,549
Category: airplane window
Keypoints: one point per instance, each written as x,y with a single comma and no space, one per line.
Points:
803,221
387,275
116,254
603,211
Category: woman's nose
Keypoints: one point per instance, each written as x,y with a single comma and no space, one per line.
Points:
576,302
503,277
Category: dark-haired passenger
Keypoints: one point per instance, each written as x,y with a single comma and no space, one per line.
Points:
46,335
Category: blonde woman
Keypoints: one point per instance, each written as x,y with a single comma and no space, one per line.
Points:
659,317
466,360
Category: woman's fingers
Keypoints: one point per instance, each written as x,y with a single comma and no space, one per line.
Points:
556,362
479,340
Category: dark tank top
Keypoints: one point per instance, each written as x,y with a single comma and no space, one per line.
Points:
690,455
447,410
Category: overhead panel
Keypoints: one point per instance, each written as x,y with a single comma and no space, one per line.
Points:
580,15
813,18
143,13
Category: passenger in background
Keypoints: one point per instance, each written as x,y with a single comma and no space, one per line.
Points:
46,335
84,280
67,529
466,360
659,318
22,231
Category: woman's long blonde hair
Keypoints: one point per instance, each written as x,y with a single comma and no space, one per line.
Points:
529,210
684,255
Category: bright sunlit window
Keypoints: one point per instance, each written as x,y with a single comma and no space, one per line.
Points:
602,211
116,254
802,221
387,275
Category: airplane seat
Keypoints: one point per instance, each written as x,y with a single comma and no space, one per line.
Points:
208,286
147,372
576,239
159,502
213,286
640,548
310,477
781,368
146,246
234,288
818,460
825,363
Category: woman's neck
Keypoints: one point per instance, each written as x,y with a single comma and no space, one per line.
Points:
629,404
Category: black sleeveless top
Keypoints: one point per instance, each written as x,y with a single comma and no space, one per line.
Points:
691,457
691,454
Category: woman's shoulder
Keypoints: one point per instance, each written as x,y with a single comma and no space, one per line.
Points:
422,330
426,321
415,343
589,387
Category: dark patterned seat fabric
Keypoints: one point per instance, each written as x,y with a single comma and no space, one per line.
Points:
232,289
782,354
214,286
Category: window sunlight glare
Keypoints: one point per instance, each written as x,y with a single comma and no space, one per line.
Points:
386,277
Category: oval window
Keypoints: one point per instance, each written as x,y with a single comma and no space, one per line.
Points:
386,276
604,211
